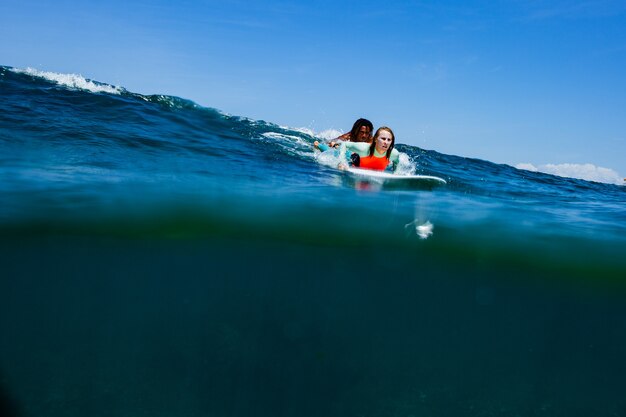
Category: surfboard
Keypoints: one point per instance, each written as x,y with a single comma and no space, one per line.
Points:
388,176
389,180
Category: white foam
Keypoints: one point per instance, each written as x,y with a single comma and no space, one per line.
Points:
405,165
588,172
280,136
329,134
330,159
304,130
291,143
71,81
424,230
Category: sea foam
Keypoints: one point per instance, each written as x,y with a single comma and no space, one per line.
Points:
71,81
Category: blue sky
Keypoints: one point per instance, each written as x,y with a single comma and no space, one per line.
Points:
539,82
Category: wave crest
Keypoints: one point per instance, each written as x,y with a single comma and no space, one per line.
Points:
71,80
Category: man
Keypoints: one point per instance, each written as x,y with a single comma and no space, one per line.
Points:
361,132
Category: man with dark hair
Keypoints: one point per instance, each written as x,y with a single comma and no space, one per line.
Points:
361,132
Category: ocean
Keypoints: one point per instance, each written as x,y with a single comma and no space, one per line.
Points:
161,258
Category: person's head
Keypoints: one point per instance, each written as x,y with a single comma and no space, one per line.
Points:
384,141
361,131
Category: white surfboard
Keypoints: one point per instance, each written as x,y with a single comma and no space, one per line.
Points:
388,178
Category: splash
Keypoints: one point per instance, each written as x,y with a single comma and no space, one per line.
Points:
71,81
329,134
424,230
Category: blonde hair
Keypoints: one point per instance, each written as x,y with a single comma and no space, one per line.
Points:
393,141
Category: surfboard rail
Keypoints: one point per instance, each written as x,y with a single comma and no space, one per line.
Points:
390,177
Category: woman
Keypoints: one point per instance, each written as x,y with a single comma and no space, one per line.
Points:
378,155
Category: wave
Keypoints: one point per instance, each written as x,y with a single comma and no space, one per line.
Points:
89,138
73,81
586,172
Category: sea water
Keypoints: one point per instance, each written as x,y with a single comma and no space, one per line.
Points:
160,258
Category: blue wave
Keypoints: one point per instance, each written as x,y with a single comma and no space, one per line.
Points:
72,148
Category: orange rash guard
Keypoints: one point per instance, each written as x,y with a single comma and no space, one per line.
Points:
374,163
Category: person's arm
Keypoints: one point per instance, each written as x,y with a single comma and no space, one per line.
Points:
321,146
394,159
362,148
334,143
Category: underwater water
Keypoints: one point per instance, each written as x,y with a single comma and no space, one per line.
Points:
159,258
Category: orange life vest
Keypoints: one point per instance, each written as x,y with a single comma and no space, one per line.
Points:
372,162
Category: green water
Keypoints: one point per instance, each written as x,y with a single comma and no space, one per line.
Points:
217,326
